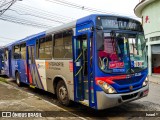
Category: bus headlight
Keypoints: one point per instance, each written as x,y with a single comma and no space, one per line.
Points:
145,82
106,87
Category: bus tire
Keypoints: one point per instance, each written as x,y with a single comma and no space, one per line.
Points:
18,81
62,93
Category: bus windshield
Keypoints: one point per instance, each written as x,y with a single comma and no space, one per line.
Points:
122,53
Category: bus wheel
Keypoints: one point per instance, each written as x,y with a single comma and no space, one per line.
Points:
62,93
18,79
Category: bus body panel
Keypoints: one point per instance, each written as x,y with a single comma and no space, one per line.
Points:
56,69
20,67
122,82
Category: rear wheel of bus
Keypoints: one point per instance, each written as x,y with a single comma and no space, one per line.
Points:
62,93
18,79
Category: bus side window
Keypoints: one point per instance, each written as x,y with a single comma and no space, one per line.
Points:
67,38
41,48
48,47
45,48
16,53
63,45
23,51
58,45
6,54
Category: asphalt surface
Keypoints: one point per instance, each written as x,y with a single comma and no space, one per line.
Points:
123,112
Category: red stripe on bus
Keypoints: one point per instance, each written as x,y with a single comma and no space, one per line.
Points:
30,77
27,70
71,66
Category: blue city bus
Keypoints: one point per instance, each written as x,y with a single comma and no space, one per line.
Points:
98,60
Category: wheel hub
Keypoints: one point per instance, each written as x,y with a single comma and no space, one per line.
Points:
17,80
62,92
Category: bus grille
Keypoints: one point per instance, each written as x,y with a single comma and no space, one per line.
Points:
128,81
126,97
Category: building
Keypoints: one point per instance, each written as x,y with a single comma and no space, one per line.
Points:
149,11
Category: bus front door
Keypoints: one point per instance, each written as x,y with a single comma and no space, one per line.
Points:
83,77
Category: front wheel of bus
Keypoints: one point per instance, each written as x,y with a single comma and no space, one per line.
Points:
62,93
18,80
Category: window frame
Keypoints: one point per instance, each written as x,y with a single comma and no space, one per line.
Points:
6,54
53,45
24,50
39,47
18,53
62,32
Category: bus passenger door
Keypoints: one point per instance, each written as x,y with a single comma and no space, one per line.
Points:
83,77
30,64
32,70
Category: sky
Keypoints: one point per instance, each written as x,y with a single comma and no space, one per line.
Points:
10,32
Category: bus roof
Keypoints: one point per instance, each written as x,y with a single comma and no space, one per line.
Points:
72,24
25,39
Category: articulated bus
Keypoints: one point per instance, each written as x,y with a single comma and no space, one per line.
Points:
99,61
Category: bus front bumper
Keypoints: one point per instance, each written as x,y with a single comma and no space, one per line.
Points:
110,100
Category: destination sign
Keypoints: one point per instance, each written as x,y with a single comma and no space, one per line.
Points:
119,23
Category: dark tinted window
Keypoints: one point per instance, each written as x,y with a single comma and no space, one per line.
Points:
6,54
23,51
44,48
63,45
16,52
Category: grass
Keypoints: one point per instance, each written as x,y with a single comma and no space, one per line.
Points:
3,80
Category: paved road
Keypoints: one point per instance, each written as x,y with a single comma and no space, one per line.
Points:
149,103
21,105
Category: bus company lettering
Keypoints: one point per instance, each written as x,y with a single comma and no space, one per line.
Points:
55,65
84,29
